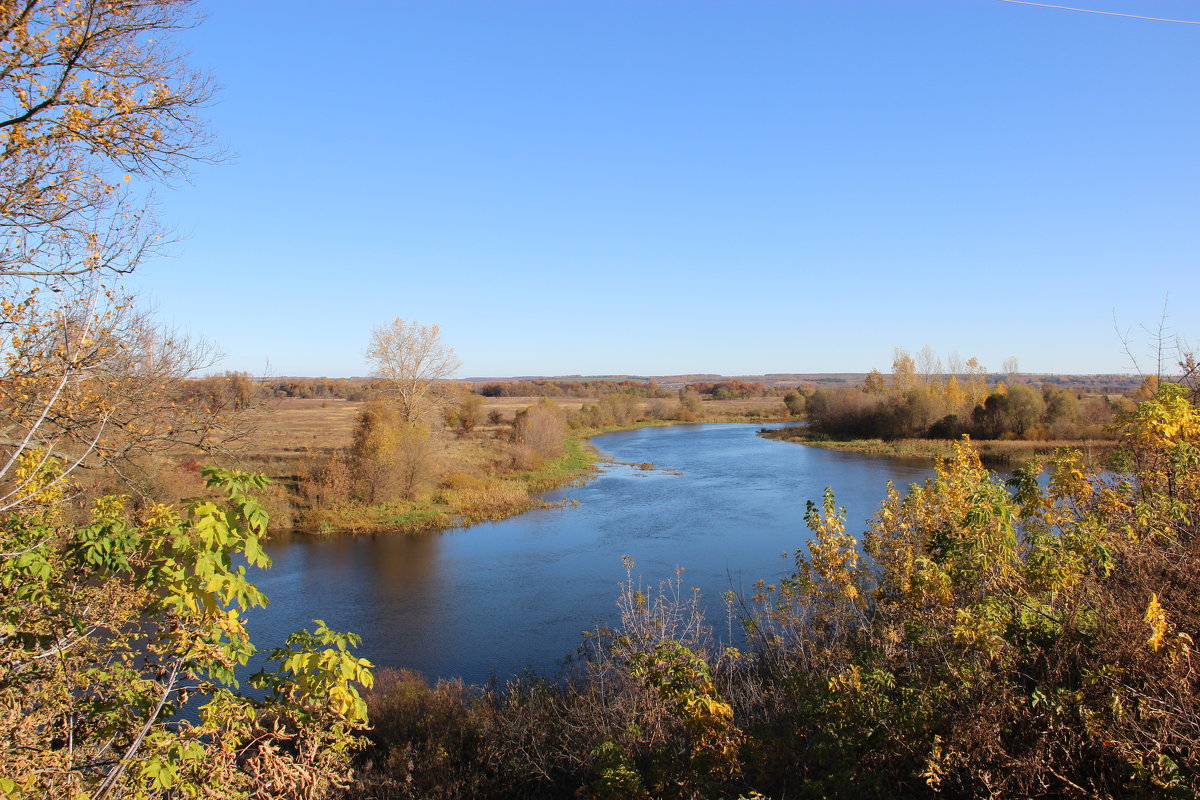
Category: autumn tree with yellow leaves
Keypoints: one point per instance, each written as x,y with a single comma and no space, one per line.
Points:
122,624
95,107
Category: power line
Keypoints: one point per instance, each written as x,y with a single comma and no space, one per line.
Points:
1107,13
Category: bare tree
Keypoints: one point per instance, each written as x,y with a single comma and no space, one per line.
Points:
1164,345
928,364
413,361
954,364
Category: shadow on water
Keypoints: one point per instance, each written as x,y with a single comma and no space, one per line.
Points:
495,598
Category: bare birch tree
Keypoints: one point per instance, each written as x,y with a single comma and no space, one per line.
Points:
412,360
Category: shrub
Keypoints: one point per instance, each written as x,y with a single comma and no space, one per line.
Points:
795,403
540,431
393,458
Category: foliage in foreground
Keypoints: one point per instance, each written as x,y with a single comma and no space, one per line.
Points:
1030,640
119,644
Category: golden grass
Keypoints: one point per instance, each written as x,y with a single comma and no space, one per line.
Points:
488,499
292,425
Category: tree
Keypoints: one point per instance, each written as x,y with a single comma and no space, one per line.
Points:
113,628
412,360
463,415
393,457
1013,411
954,363
903,370
795,403
108,390
928,364
540,429
976,383
115,619
91,95
874,383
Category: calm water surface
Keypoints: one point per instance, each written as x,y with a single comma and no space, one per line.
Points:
722,502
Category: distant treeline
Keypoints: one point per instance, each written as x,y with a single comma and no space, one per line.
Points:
718,390
713,386
365,389
941,411
571,388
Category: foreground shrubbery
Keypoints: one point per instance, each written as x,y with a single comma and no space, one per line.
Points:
986,641
119,644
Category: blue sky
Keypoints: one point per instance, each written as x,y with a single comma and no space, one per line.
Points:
671,186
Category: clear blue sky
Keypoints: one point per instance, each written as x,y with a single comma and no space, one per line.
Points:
676,186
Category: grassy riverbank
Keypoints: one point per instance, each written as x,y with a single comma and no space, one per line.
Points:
469,500
465,499
993,453
294,441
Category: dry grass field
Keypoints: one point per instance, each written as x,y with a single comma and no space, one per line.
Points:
289,429
293,425
753,406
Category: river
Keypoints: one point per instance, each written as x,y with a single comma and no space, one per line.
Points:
493,599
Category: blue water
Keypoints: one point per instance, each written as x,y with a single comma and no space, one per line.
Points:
493,599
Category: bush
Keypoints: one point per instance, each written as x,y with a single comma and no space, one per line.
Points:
795,402
540,432
393,458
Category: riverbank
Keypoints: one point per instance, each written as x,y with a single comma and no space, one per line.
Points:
469,499
992,452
